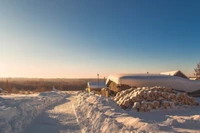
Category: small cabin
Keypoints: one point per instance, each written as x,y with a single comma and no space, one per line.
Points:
96,86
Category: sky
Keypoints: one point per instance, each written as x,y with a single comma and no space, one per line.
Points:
80,38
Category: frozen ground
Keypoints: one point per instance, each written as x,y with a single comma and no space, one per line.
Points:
57,118
98,114
76,112
50,112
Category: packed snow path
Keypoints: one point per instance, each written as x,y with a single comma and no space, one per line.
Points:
59,118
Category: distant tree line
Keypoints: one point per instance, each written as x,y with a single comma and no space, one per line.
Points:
41,85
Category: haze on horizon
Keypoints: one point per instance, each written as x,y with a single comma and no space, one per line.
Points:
78,39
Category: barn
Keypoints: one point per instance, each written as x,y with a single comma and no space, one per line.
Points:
175,73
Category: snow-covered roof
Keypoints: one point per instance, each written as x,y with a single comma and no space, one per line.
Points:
96,85
140,80
173,73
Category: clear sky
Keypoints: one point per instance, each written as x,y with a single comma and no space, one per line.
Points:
80,38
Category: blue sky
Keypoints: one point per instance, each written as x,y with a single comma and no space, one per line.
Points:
80,38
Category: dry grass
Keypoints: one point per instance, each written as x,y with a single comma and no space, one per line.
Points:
28,85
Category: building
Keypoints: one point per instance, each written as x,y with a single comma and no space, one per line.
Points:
175,73
95,86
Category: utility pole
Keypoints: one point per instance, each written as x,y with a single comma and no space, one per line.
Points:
98,80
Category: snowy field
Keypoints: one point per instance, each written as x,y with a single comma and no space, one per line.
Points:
79,112
17,111
100,114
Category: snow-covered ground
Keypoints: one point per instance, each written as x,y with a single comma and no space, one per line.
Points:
80,112
100,114
57,118
17,111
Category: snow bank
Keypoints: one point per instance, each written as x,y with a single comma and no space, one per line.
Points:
102,115
91,112
16,112
139,80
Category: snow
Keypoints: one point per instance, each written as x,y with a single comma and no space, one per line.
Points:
139,80
102,115
78,112
54,89
17,110
95,85
57,118
172,73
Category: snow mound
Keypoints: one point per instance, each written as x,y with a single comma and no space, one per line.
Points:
139,80
100,114
17,112
54,89
186,122
92,115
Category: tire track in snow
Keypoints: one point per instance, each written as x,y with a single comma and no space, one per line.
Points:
60,118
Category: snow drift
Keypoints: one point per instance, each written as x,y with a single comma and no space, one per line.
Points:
150,80
17,111
91,112
102,115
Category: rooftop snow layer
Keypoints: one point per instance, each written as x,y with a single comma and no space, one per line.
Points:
140,80
172,73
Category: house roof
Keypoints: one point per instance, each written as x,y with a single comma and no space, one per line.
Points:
172,73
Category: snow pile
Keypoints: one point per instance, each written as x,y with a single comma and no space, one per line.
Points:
187,122
91,112
147,98
150,80
16,112
100,114
54,89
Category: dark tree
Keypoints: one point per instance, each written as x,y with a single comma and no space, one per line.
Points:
197,71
